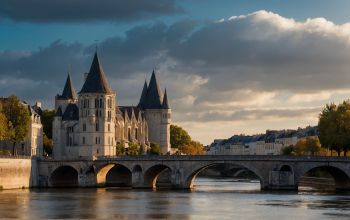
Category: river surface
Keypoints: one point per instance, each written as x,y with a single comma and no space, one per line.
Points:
212,199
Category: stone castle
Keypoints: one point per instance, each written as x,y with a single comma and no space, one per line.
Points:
90,124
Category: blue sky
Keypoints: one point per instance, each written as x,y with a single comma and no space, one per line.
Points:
273,65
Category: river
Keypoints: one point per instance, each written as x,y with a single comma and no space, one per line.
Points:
212,199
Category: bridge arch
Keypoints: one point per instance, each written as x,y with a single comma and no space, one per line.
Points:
115,174
64,176
286,168
152,173
340,176
190,177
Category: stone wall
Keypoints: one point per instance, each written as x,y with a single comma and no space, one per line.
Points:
18,173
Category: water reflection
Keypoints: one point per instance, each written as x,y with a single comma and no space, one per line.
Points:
212,198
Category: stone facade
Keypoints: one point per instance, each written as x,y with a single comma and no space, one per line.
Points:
90,124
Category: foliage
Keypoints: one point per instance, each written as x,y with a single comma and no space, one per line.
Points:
133,149
4,126
120,149
305,146
47,120
178,136
192,148
154,149
334,127
47,144
17,114
288,150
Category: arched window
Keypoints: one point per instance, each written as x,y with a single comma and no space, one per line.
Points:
136,134
96,103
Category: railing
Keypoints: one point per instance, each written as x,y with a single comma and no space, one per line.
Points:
210,158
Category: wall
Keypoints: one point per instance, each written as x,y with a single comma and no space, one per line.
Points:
18,173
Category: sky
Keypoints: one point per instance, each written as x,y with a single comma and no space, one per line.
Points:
229,67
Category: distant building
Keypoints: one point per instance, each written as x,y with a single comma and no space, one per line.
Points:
33,143
91,124
270,143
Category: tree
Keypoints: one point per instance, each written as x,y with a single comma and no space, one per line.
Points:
289,150
119,149
133,149
178,136
47,145
334,127
18,116
312,146
4,126
47,120
154,149
192,148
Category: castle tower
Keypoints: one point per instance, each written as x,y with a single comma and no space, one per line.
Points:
68,98
96,114
68,95
157,113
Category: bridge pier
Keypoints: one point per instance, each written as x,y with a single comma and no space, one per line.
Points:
280,180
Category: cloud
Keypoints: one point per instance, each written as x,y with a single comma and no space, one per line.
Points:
85,10
259,67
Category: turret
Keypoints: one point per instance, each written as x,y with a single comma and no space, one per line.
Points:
68,95
97,114
157,113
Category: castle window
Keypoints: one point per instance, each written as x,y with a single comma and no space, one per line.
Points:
98,151
109,127
96,103
101,104
84,127
88,103
97,127
70,141
136,133
96,114
96,140
83,140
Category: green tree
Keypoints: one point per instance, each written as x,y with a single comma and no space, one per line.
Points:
47,120
4,125
289,150
47,145
178,136
133,149
334,127
18,116
154,149
120,149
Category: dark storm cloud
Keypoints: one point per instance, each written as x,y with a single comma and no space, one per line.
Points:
204,66
85,10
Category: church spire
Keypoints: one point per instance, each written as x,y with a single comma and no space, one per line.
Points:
96,81
143,95
165,104
68,91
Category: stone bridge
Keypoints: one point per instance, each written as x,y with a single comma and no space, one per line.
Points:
274,172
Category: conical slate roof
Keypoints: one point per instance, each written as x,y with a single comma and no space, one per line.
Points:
165,104
96,81
143,95
68,91
154,94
